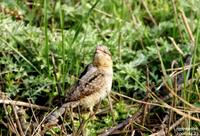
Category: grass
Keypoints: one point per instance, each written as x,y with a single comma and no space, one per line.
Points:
46,44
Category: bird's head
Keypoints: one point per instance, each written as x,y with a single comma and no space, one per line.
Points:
102,57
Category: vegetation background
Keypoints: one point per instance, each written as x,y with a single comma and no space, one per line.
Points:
45,44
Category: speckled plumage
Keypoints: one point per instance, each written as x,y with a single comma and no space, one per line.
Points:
93,84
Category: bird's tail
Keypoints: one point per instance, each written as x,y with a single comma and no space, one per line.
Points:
53,117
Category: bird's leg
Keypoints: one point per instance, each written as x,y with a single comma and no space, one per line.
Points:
91,111
98,105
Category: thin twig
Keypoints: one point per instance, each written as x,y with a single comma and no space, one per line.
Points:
162,131
176,18
174,94
176,46
72,121
138,101
176,123
10,128
25,104
140,112
83,123
111,108
148,12
120,125
146,107
174,99
56,78
33,113
181,113
10,120
160,58
19,126
188,28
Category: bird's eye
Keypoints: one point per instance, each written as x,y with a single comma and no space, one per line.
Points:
107,53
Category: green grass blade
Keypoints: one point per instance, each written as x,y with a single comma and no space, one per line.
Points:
20,55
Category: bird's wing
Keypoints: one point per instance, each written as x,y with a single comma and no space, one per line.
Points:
90,82
87,68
